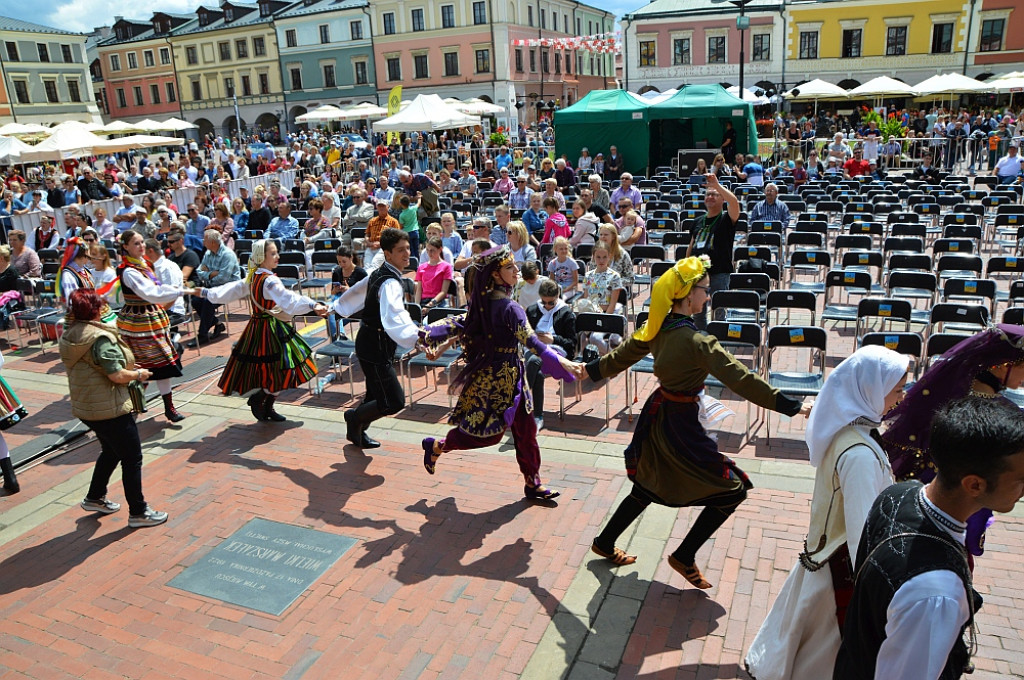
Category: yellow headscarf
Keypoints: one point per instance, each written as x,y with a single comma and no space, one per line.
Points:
674,284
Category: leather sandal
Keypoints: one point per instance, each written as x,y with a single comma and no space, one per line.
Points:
617,556
690,572
540,493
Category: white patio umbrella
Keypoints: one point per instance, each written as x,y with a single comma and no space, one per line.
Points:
24,130
177,125
951,83
137,142
426,112
119,127
363,111
748,95
321,114
66,142
816,89
478,107
150,125
11,149
883,86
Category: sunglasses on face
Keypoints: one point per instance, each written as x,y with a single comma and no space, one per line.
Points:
548,303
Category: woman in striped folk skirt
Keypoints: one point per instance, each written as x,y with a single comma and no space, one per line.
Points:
74,274
269,356
11,412
143,322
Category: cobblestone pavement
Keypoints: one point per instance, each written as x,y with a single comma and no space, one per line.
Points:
452,576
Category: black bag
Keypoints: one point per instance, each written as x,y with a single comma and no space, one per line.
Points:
753,265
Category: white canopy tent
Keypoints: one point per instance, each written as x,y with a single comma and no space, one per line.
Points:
748,96
119,127
951,83
132,142
477,107
24,130
11,149
177,125
426,112
816,89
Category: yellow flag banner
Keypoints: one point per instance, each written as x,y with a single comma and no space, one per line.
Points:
394,104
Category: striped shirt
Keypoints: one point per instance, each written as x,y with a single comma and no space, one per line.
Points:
771,211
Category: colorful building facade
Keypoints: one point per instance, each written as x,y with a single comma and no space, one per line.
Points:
45,74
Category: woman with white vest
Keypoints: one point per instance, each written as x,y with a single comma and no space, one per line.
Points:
800,637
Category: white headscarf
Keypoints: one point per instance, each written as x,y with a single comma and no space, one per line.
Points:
855,389
546,324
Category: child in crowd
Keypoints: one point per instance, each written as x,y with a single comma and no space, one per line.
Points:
435,230
527,291
599,164
451,238
563,269
556,225
433,277
409,219
603,286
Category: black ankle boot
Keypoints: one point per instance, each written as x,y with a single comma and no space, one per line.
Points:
11,485
169,411
268,409
256,404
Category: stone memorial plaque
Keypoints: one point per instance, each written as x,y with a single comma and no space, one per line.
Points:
264,565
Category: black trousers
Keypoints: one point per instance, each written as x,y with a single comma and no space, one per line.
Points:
535,379
207,314
119,438
384,393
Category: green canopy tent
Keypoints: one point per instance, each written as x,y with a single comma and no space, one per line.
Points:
601,119
695,118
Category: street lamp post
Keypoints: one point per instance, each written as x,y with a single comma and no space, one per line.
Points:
742,24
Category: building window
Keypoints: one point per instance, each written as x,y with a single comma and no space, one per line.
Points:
74,92
229,87
296,76
568,63
242,48
115,62
483,61
44,52
544,61
225,51
808,44
716,49
579,64
519,61
579,28
147,58
191,56
394,68
264,83
154,94
289,38
557,57
447,16
136,95
681,51
389,23
896,41
65,51
122,103
529,15
419,66
417,20
451,63
12,51
942,38
479,13
133,61
329,80
762,47
246,86
171,96
361,76
165,55
565,23
647,53
356,29
229,15
325,34
266,9
259,48
533,61
543,18
992,35
851,42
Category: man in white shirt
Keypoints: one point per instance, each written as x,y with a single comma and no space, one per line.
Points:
166,271
385,327
1008,167
481,230
913,600
384,192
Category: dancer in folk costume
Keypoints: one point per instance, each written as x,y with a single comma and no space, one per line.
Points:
672,460
494,394
143,321
801,636
269,356
984,365
74,274
11,412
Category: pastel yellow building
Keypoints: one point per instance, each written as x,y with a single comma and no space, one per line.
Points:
857,40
